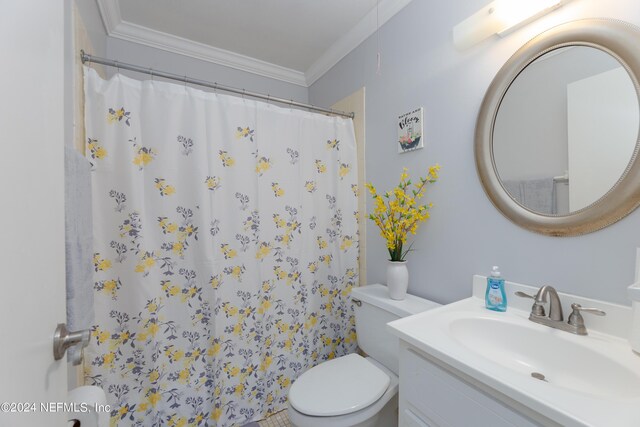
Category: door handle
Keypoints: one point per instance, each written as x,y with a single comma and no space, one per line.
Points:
63,339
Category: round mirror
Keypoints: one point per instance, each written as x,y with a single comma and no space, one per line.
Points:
557,134
566,130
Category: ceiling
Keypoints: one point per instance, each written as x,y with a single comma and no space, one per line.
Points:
291,40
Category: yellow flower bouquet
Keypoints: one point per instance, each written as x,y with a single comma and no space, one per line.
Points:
399,212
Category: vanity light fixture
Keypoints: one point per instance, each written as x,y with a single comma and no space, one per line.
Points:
500,17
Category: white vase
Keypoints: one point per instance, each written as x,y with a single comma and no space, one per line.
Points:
397,279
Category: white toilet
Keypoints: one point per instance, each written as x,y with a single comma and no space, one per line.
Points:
353,391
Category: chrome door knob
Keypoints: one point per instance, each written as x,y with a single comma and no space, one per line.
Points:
63,339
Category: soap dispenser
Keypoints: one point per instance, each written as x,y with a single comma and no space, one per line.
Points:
495,297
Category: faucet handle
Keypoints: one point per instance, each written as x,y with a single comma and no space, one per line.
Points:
524,295
537,308
577,308
576,319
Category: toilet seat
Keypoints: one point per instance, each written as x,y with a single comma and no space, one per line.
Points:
365,417
338,387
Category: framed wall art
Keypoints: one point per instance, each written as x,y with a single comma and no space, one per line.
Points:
410,131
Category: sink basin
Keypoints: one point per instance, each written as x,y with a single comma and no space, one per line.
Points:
546,353
561,378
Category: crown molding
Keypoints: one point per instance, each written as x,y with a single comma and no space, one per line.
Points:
367,26
118,28
110,12
160,40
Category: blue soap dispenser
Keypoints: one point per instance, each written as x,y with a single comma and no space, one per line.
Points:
495,298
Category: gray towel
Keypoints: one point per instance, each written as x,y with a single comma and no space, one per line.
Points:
537,195
78,241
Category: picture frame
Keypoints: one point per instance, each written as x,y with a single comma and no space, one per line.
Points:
410,131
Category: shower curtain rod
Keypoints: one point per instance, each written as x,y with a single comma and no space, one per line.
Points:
123,65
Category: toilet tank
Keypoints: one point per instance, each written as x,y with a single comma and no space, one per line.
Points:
373,310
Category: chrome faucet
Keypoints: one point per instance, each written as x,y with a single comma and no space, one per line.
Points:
575,325
555,306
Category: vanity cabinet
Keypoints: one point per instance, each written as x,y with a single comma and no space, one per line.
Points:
434,396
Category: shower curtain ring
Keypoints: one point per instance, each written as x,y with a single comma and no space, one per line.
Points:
185,81
151,72
117,66
243,93
268,99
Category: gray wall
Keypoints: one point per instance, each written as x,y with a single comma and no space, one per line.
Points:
179,64
466,234
90,15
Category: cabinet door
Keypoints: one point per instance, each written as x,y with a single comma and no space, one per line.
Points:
436,398
411,419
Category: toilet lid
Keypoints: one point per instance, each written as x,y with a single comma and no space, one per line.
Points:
339,386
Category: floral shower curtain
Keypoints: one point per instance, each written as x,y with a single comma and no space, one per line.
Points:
225,249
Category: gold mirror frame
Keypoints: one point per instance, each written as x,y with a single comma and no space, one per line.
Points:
620,40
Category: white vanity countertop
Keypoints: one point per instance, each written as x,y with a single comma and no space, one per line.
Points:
599,396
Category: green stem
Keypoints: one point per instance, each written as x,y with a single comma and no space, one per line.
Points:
396,254
408,250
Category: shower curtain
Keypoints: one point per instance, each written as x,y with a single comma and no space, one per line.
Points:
225,250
